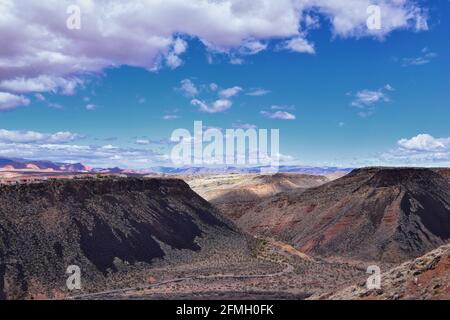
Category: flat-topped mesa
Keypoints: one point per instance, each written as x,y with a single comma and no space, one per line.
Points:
104,226
388,177
101,185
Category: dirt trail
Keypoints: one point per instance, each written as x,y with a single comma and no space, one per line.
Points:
275,247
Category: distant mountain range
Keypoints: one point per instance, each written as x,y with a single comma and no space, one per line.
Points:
256,169
11,164
23,164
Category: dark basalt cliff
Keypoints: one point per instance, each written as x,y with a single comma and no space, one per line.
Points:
105,226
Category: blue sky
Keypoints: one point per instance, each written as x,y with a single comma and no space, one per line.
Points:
341,96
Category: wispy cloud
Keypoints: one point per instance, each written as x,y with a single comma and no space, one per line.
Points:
170,117
258,92
245,126
91,107
425,58
230,92
280,107
278,115
9,101
366,100
12,136
142,141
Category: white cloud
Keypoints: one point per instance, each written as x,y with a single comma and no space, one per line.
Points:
245,126
188,88
258,92
278,107
41,84
213,86
299,45
91,107
424,142
252,47
365,100
55,105
349,17
173,59
425,58
368,97
421,150
95,156
142,141
230,92
10,101
39,97
236,61
36,137
217,106
42,54
279,115
170,117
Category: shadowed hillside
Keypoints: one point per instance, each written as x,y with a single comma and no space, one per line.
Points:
105,226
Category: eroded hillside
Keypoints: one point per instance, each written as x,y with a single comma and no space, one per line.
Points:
112,228
382,214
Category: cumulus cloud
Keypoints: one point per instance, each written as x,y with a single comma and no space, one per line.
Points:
12,136
421,150
278,115
365,100
42,54
424,142
10,101
349,17
217,106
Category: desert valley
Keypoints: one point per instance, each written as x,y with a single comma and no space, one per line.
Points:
238,235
